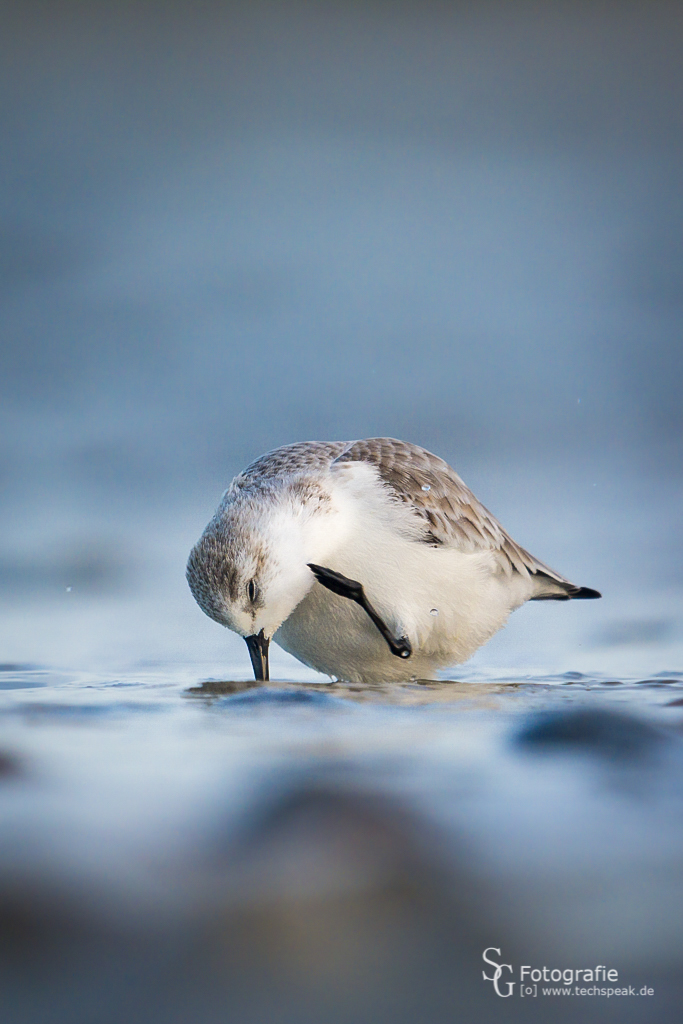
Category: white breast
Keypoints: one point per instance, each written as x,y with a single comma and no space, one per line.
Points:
446,601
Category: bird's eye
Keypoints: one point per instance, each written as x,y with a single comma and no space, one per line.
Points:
252,590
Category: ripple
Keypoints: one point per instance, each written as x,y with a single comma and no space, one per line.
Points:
267,695
81,711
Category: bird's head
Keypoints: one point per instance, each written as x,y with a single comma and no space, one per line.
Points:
249,574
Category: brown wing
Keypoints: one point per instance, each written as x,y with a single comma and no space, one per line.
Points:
451,514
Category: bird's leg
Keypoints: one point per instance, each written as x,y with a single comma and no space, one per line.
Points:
353,590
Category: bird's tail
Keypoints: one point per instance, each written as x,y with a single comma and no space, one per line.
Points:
552,589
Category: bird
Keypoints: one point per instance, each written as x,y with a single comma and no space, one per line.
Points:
370,561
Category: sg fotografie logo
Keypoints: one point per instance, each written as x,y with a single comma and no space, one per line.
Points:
498,973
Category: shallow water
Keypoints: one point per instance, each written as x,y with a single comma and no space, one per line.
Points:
282,851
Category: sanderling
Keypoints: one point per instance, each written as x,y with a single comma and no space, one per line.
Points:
367,560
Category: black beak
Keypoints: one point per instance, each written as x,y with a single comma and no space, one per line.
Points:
258,652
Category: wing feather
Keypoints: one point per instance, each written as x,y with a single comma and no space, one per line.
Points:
451,514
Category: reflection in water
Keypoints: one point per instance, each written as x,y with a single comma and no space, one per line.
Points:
420,691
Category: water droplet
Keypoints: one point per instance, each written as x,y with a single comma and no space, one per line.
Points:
433,611
426,487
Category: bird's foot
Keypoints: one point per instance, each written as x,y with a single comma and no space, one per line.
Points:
353,590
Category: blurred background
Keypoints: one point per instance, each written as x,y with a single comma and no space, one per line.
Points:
225,227
229,226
